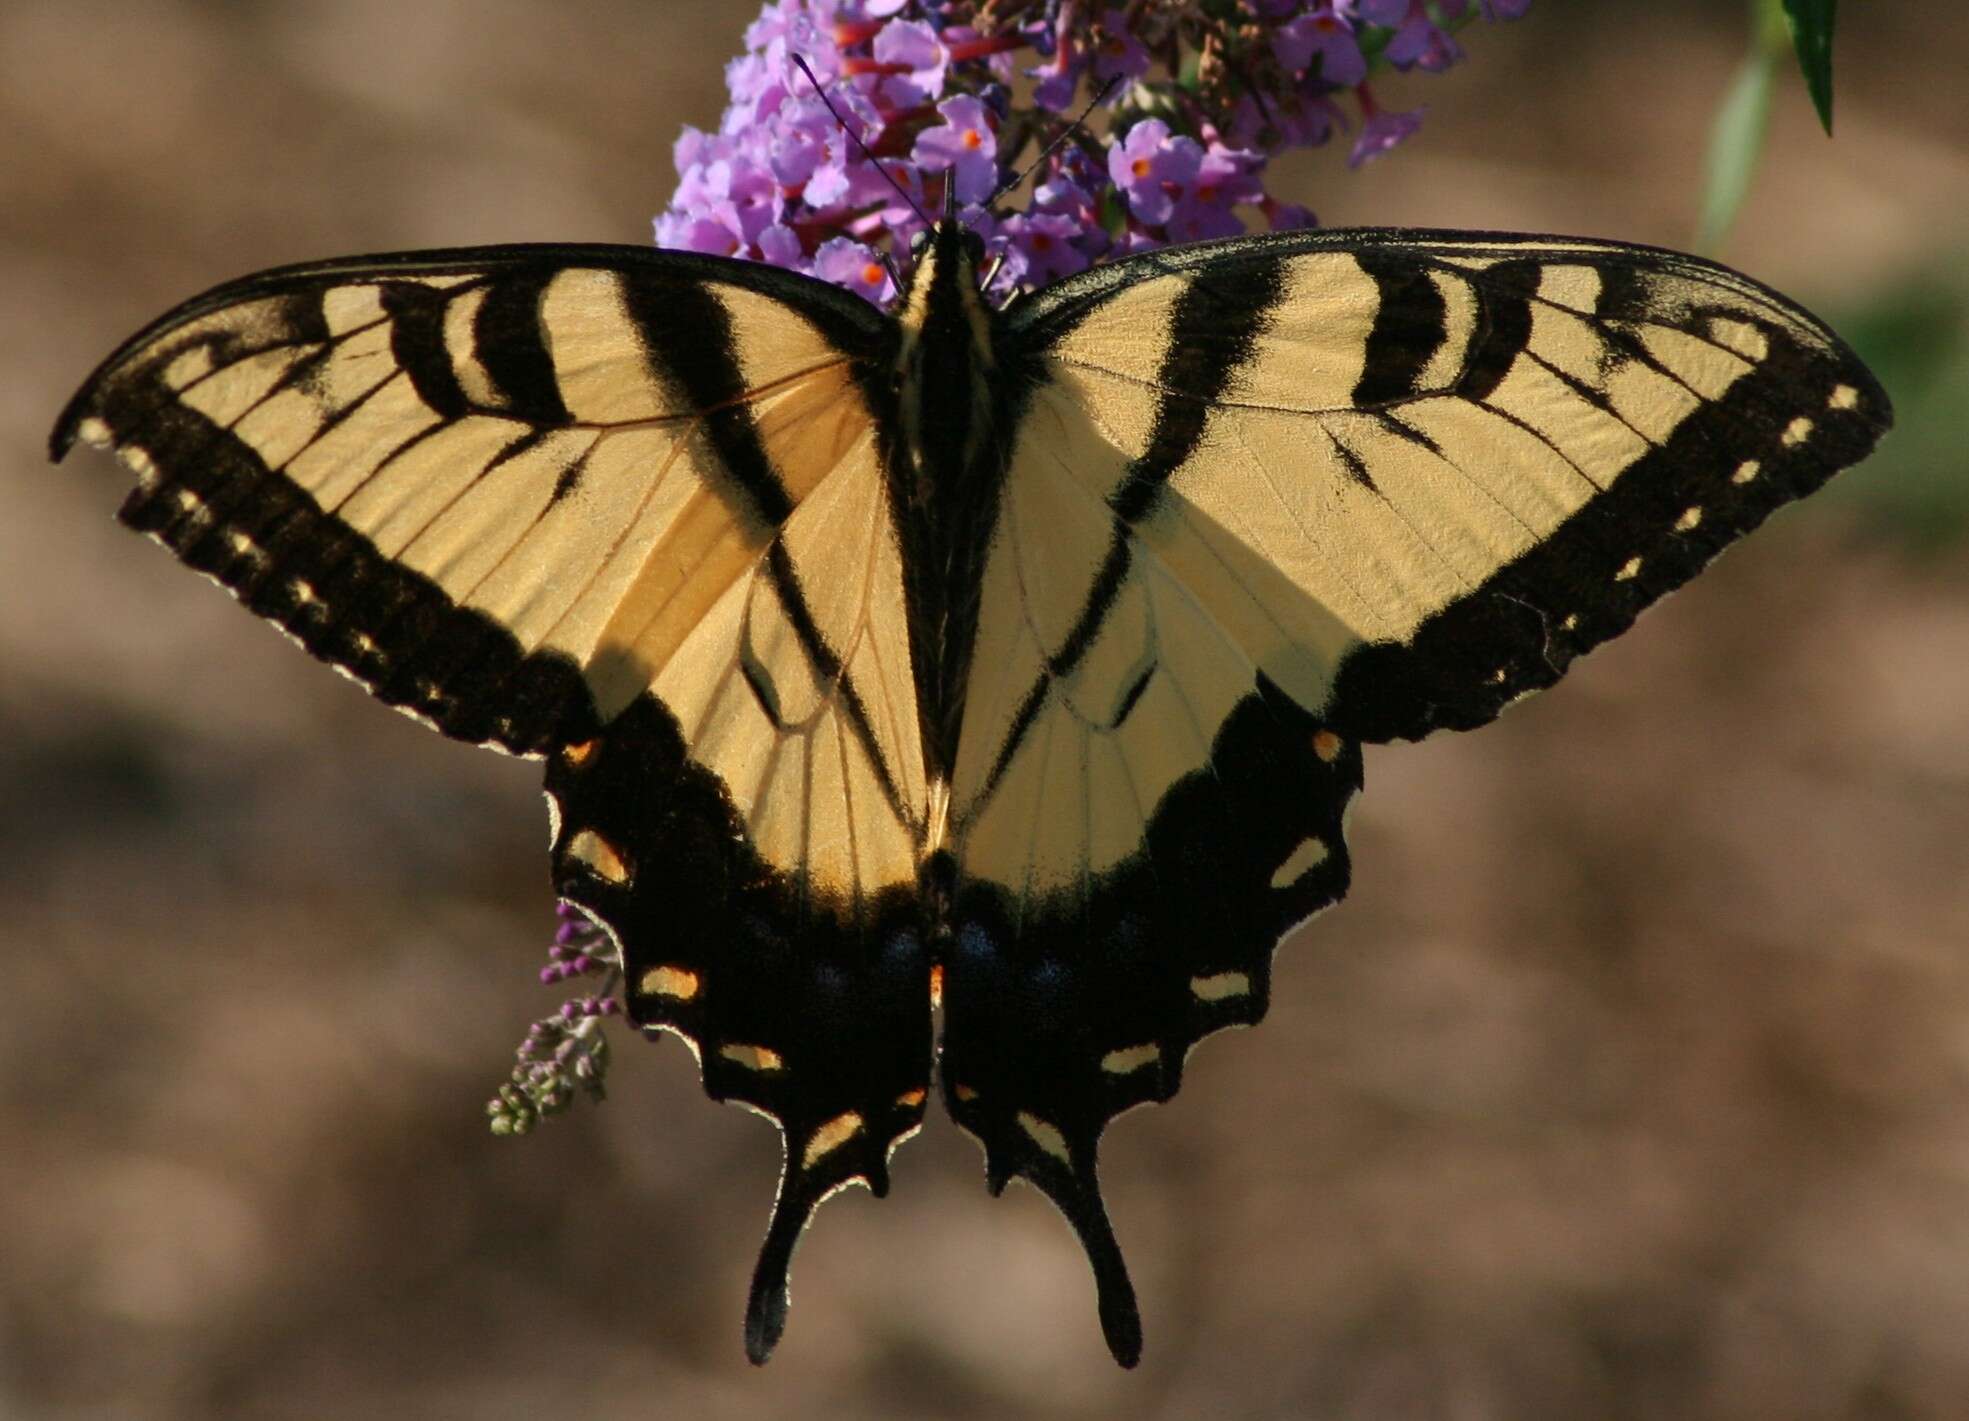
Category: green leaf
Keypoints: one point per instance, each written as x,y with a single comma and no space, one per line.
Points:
1735,139
1811,36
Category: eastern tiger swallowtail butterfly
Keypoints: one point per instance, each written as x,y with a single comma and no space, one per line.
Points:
1015,660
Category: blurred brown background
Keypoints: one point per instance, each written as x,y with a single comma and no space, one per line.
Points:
1633,1081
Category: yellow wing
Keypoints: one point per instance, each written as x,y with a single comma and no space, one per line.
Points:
1403,478
513,490
623,509
1268,499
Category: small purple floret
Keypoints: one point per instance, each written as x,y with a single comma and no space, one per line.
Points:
963,144
1381,132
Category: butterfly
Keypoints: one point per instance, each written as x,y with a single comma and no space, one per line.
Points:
1006,665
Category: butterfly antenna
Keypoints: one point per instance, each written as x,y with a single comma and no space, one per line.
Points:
855,138
1061,137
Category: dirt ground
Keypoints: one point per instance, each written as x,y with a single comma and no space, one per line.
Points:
1631,1082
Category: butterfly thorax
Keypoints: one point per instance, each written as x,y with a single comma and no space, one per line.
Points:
944,361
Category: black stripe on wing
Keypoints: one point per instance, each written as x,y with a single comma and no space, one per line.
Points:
1779,432
706,368
416,315
1411,322
1213,327
511,346
824,659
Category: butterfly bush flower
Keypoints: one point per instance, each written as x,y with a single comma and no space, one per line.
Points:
936,97
1380,131
920,101
1152,168
565,1053
1320,41
963,147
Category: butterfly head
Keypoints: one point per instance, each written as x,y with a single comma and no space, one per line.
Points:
946,244
944,262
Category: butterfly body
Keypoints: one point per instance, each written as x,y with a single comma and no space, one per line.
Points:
1018,660
945,468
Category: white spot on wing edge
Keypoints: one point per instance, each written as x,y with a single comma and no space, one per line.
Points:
830,1137
138,461
599,854
1309,855
753,1058
678,983
1220,986
1629,570
1131,1059
897,1143
1691,516
1746,471
1844,397
655,1028
1796,433
1046,1135
94,431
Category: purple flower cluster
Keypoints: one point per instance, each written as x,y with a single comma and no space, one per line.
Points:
565,1052
925,97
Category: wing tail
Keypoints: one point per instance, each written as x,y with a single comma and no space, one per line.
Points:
1063,1009
812,1011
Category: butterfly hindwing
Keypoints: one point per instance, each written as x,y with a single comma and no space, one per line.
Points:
813,1014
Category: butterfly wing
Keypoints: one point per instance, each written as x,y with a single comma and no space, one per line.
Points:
1271,498
622,509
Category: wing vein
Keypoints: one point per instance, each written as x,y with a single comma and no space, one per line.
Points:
1318,544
